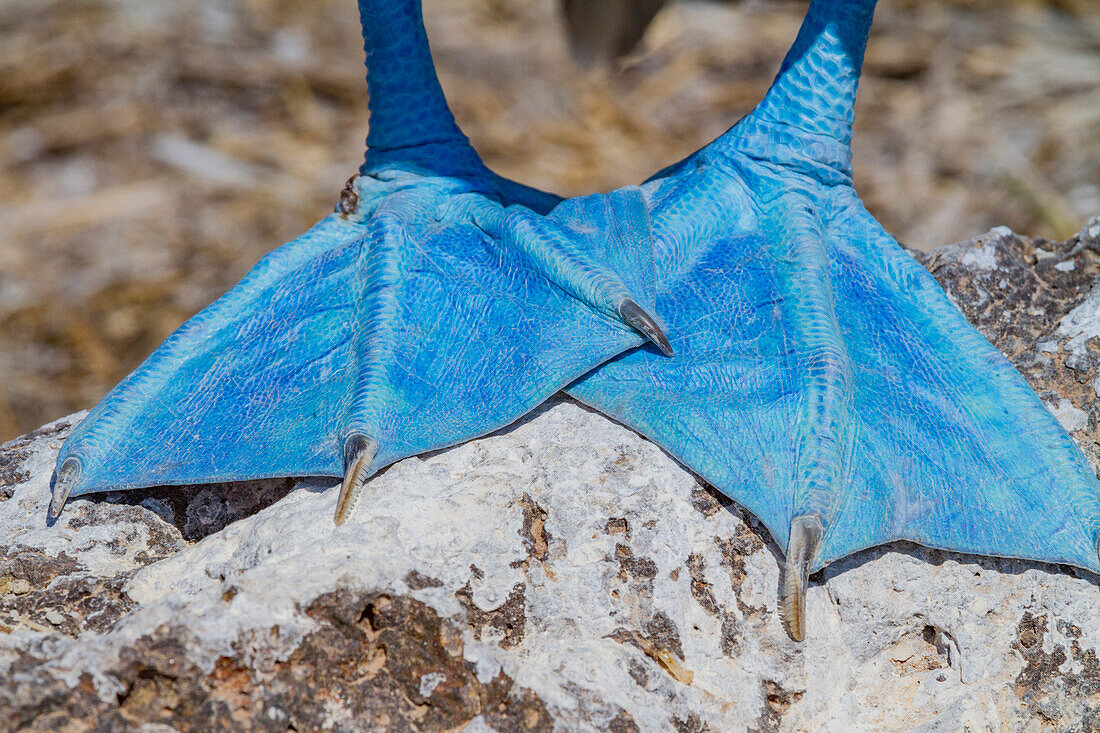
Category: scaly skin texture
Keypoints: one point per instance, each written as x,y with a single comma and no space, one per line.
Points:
820,376
437,304
820,371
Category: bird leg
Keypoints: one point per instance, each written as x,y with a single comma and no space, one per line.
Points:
822,378
438,303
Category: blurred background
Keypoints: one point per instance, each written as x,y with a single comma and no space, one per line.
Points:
152,150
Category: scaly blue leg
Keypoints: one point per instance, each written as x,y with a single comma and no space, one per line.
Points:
822,378
440,302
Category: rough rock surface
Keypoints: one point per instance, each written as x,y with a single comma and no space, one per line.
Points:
563,574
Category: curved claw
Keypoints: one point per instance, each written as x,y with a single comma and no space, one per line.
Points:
64,481
806,531
633,314
359,452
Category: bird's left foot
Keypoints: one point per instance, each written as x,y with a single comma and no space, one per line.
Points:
824,380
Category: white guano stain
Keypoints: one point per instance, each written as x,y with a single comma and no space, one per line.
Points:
430,681
982,257
1082,323
1072,418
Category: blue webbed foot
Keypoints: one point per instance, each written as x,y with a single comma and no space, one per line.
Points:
428,316
822,375
439,303
822,378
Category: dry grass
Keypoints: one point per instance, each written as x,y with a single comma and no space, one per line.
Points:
151,151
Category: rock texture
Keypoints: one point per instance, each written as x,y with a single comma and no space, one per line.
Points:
563,574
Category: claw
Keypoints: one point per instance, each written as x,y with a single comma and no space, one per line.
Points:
633,314
806,533
63,484
359,451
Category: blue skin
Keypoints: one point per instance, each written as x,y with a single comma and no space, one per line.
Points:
821,377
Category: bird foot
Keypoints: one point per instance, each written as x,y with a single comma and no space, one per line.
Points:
425,312
824,380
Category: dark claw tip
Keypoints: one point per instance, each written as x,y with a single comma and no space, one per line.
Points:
633,314
63,482
355,445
